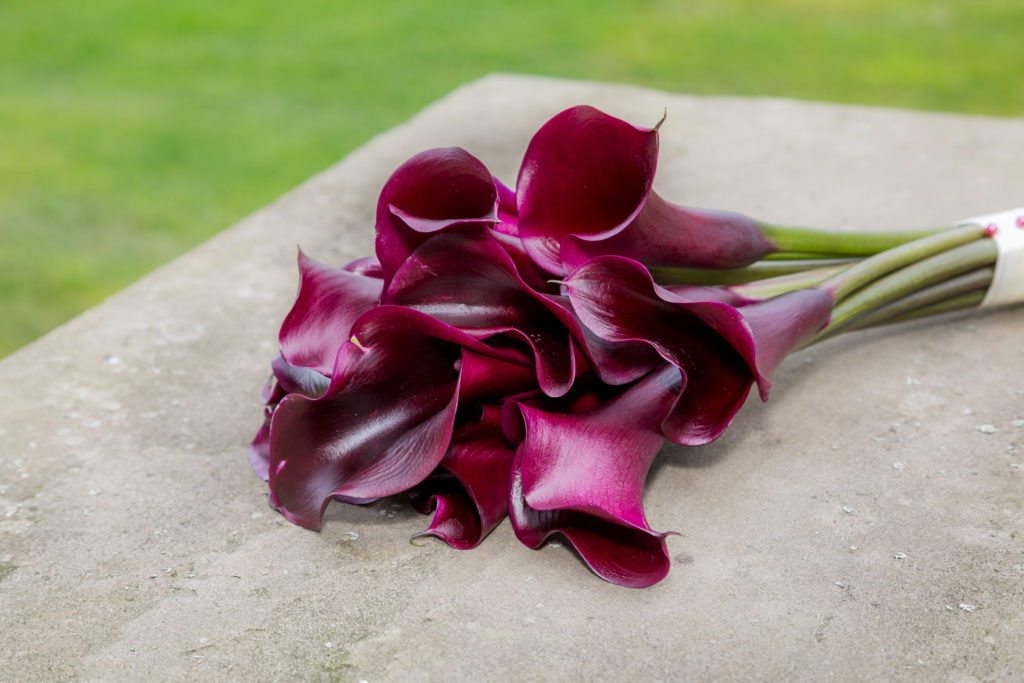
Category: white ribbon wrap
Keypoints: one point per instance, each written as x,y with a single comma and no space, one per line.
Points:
1008,283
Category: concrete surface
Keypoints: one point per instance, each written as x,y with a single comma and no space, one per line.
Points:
858,527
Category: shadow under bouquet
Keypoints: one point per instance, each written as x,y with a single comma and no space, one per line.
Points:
526,353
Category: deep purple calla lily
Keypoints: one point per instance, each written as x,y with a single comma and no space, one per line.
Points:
385,421
584,190
616,363
469,493
582,475
285,379
454,367
330,300
720,349
470,282
436,190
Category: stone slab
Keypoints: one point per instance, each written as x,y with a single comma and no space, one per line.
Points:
859,527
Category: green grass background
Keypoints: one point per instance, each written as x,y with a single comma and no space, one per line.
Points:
132,130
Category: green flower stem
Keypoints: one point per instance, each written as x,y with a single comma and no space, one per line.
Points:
800,255
923,302
805,279
915,277
834,242
967,300
960,302
737,276
860,274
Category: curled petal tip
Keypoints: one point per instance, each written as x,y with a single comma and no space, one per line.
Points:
328,303
664,115
384,423
584,172
581,475
436,190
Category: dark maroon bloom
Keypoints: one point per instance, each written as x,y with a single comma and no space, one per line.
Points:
720,349
436,190
584,190
582,475
616,363
330,300
451,365
386,419
470,282
469,492
285,379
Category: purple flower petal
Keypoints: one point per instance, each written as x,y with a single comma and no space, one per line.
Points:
384,423
779,325
673,236
719,349
717,385
368,266
616,363
272,392
473,500
258,452
535,278
468,281
294,379
584,172
284,379
436,190
476,284
584,190
329,301
486,378
618,301
582,475
506,233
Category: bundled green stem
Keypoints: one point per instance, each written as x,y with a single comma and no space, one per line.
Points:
761,270
814,242
915,277
879,265
874,278
799,250
965,291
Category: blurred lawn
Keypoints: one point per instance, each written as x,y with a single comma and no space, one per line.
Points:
130,131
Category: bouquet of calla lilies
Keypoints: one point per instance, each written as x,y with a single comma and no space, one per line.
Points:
526,353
